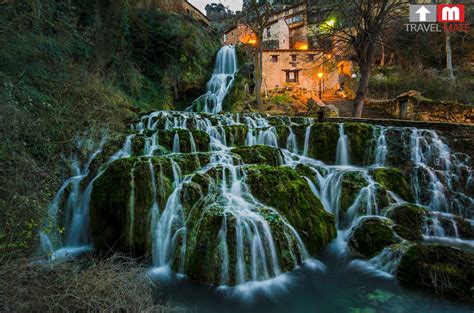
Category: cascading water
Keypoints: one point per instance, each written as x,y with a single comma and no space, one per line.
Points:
219,84
342,152
432,164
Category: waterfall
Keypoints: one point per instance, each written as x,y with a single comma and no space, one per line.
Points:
220,82
381,148
342,152
440,179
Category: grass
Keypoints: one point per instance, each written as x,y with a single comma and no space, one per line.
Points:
387,83
88,285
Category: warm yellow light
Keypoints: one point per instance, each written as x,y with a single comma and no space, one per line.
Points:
320,75
252,41
303,47
329,56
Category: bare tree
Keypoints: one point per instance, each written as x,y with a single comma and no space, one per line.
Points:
355,27
256,16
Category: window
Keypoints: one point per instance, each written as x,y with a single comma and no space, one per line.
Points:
293,57
310,57
295,19
292,76
269,33
274,58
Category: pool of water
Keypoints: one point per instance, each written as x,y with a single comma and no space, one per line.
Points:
333,284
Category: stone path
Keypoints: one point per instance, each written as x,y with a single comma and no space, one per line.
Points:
345,109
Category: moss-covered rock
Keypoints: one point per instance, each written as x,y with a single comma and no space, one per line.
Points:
322,143
409,219
399,153
394,180
371,236
120,204
445,270
351,185
259,154
361,142
283,189
235,135
201,140
212,244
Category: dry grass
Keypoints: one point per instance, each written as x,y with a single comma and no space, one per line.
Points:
115,284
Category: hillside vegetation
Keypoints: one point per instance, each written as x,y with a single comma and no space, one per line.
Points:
81,68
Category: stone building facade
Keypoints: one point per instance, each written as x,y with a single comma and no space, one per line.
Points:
240,33
300,68
289,60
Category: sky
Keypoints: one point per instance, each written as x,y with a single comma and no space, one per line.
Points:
234,5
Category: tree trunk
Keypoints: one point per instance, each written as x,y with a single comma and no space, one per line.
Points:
382,52
362,90
258,75
449,57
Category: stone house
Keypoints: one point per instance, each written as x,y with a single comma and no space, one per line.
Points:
239,33
289,60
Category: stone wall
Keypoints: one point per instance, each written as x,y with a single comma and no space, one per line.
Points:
459,136
412,106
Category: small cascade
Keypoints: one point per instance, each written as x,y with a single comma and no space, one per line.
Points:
220,82
342,152
291,144
306,139
176,144
76,208
381,149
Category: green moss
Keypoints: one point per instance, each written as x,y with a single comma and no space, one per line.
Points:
445,270
120,204
259,154
235,135
394,180
201,139
323,141
409,219
283,189
352,183
371,236
361,142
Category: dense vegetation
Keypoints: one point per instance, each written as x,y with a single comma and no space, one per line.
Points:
70,66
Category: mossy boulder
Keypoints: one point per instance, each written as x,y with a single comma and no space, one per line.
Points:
235,135
212,244
394,180
201,140
361,142
399,152
351,185
121,200
322,141
259,154
409,219
283,189
444,270
371,236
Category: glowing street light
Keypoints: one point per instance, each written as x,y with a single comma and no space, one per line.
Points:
320,75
